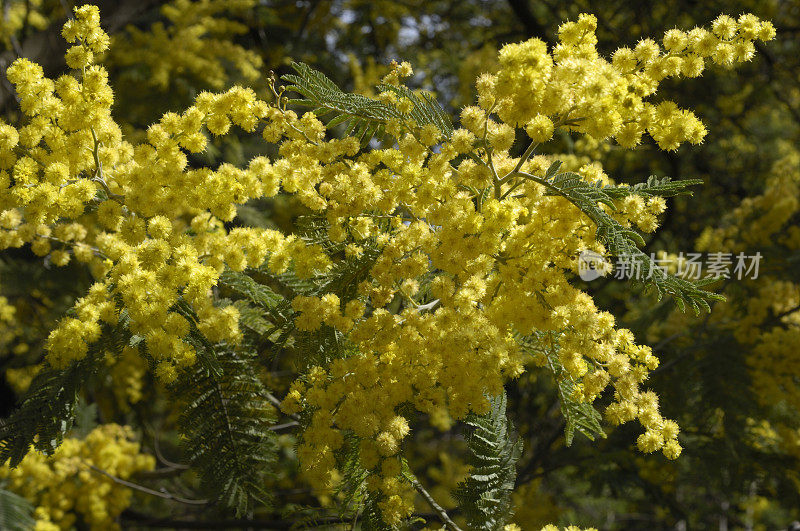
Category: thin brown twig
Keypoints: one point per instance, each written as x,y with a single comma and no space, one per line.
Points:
285,425
160,456
435,506
140,488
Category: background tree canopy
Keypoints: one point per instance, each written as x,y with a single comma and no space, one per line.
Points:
729,378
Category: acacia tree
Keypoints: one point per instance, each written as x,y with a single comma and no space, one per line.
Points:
431,266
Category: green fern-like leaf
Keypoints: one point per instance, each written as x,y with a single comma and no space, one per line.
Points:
225,427
485,496
313,348
251,317
621,241
16,513
351,485
425,110
365,117
313,229
261,295
345,276
47,411
578,416
654,186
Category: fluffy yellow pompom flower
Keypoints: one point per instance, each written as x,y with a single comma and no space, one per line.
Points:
540,129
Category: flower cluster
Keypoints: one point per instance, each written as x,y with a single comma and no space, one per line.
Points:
773,343
69,485
198,41
609,98
149,227
469,254
497,267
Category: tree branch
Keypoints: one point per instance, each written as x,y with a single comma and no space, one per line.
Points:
140,488
435,506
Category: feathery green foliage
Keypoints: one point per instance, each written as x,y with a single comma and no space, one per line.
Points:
371,516
226,427
85,419
15,512
663,187
268,307
317,347
353,473
354,498
580,416
485,496
365,117
47,411
624,242
251,318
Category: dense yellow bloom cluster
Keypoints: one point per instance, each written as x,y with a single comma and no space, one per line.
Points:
13,339
609,97
499,264
65,487
127,372
7,318
198,41
149,227
467,238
